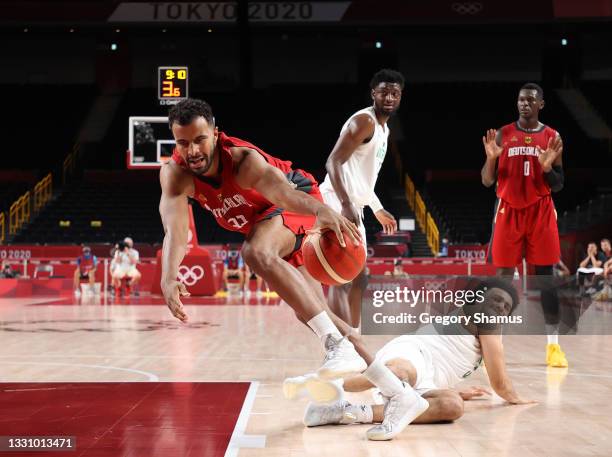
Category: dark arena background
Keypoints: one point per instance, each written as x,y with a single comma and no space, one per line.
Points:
86,86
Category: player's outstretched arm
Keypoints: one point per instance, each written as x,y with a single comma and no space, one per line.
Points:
174,211
360,130
255,173
493,355
492,143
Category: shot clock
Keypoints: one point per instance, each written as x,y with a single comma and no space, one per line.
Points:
173,84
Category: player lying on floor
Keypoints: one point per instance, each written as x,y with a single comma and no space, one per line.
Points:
433,362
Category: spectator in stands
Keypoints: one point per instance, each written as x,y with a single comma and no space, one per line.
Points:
134,259
593,260
6,272
124,266
590,267
233,268
85,270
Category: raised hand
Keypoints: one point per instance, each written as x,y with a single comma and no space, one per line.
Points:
553,150
492,149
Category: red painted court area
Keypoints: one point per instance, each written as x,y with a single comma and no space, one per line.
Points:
125,419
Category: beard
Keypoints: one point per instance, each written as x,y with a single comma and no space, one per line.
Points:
207,161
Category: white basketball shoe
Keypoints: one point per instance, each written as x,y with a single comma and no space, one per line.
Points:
319,390
341,359
400,410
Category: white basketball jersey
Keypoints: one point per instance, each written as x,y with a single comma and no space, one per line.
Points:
361,169
454,352
454,357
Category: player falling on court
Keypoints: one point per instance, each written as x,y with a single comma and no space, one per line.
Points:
525,159
273,205
352,171
434,361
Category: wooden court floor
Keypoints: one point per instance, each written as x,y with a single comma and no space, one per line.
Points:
50,341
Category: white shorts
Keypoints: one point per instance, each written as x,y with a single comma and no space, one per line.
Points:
332,200
406,348
122,272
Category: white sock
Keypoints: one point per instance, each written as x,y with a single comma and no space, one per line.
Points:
383,378
358,413
322,325
552,333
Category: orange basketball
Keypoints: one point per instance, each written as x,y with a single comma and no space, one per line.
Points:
330,263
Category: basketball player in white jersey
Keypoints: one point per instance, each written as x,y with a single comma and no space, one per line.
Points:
433,362
352,170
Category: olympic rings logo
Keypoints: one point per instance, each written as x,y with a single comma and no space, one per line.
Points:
467,7
190,276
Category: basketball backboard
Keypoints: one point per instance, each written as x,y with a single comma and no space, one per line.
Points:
150,142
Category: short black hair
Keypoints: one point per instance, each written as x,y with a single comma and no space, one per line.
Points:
386,75
503,284
536,87
189,109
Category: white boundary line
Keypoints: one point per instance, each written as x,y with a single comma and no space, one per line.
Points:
151,377
239,439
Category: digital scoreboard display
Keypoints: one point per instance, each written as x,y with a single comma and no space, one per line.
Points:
172,84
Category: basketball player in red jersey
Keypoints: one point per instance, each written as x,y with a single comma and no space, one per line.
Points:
273,205
525,158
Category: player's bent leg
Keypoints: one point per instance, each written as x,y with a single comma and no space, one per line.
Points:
264,249
338,301
555,357
444,406
355,295
344,328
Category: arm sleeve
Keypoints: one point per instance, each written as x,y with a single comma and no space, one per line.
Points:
555,178
375,204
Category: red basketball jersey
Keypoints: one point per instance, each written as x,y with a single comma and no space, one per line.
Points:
520,179
233,207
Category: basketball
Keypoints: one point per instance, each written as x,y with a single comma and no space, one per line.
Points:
330,263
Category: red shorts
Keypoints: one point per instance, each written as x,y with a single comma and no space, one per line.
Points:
529,232
297,223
